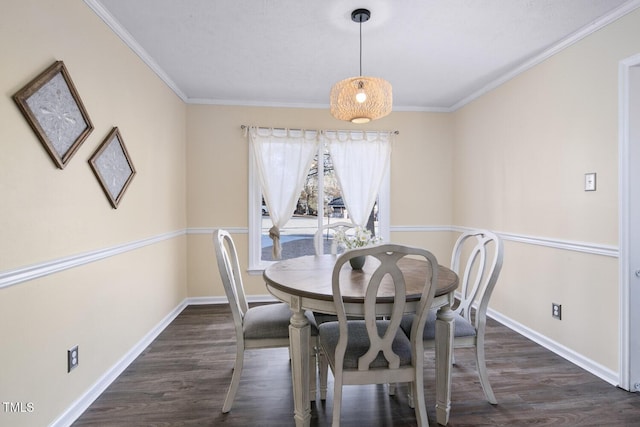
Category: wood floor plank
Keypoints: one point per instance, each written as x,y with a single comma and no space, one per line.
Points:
181,380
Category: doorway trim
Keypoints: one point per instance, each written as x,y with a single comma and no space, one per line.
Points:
624,137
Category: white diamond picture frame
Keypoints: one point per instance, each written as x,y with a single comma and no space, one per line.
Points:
112,166
53,108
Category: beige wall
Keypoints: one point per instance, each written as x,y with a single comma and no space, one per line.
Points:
520,157
513,161
217,157
516,158
47,214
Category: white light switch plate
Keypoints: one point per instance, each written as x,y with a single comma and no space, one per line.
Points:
590,181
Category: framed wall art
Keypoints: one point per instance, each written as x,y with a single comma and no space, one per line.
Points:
55,112
112,166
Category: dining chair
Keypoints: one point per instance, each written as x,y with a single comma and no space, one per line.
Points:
371,350
325,233
258,327
477,259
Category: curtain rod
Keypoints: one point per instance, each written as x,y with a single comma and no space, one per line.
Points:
395,132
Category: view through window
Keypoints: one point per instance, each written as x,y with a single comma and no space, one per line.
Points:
320,203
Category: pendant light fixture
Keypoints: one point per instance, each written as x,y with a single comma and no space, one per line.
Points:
361,99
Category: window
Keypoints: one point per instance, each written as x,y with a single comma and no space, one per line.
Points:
319,202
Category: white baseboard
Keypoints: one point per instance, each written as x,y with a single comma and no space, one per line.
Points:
224,300
83,402
206,300
588,365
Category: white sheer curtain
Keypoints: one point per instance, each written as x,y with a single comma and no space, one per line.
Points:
360,160
283,158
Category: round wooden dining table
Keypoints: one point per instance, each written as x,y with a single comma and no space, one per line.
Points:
304,283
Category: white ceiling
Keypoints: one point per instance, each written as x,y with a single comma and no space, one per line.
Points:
437,54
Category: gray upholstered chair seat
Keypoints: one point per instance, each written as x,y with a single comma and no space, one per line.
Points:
271,321
462,327
359,343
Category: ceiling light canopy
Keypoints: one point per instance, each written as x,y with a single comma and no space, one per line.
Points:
361,99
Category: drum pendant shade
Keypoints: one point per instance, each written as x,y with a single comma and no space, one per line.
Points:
361,99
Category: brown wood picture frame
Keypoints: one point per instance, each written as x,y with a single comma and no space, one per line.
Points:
112,166
53,108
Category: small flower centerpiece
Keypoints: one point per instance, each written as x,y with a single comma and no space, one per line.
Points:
360,238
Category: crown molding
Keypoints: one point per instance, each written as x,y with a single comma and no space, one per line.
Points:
558,47
128,39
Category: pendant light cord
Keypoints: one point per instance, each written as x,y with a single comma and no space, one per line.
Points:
360,48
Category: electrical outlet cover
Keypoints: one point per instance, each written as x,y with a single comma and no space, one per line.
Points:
72,358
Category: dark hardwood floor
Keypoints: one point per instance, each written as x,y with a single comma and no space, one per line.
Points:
182,377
